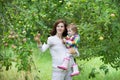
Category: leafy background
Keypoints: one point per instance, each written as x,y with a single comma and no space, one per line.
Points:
97,21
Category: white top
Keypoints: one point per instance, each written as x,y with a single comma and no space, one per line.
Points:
57,50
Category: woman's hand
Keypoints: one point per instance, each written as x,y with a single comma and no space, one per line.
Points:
37,38
72,51
64,40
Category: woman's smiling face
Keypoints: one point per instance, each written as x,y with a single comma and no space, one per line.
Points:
60,28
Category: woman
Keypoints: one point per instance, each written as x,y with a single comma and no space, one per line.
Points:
57,50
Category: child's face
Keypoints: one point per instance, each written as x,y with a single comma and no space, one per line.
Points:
70,31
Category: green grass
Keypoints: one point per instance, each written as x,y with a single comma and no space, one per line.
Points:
95,63
43,66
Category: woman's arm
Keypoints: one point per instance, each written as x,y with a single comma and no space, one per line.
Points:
43,47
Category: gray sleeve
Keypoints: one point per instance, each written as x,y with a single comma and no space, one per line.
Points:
45,46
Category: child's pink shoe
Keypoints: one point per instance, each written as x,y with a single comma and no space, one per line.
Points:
74,73
64,66
75,70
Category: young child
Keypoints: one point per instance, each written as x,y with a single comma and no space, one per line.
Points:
71,41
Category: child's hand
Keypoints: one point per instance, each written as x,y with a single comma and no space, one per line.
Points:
64,40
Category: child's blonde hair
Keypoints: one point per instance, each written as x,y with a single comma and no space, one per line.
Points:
73,27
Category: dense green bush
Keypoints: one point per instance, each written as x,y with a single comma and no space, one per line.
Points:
97,21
